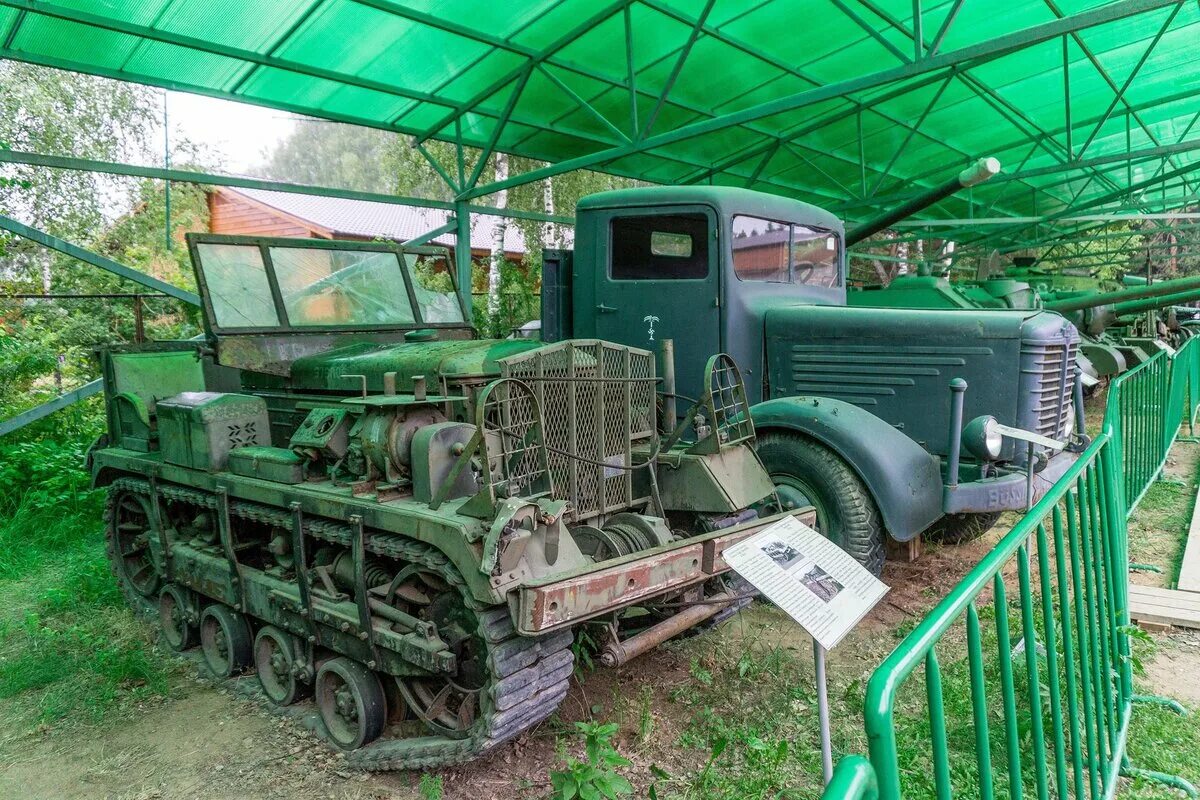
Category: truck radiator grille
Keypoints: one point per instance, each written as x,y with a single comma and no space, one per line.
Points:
598,403
1051,387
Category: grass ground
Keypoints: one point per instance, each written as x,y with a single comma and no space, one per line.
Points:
69,650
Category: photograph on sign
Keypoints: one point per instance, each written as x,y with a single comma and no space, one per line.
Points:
817,583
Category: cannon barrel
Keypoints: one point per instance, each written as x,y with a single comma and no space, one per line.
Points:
978,172
1094,299
1151,303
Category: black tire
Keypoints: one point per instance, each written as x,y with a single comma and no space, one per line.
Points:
846,512
352,703
275,656
961,528
179,632
225,640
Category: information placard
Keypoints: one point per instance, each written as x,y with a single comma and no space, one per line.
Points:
816,582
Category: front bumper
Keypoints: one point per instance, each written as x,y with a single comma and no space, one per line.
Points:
1005,493
619,583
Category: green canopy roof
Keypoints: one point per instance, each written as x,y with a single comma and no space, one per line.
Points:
849,104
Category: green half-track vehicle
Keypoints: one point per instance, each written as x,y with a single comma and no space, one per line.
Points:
343,488
861,412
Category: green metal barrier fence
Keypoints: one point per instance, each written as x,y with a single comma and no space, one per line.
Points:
1146,407
854,779
1040,704
1019,683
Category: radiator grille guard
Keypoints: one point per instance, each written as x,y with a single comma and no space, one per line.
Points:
598,403
1048,385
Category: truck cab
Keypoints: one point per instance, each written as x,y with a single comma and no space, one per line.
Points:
853,406
700,266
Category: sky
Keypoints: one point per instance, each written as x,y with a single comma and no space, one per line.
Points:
238,133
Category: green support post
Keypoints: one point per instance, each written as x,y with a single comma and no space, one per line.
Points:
462,252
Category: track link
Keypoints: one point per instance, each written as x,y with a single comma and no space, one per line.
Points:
528,677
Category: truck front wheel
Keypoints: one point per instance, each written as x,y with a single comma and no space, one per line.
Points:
961,528
808,473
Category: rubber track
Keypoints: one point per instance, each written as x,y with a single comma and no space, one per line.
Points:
528,676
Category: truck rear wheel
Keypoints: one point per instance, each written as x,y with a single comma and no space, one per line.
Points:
807,473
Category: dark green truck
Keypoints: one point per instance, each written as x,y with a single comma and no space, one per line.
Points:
853,406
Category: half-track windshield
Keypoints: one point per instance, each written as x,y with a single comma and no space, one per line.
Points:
259,284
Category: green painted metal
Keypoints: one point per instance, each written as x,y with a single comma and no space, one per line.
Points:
853,779
1146,408
214,179
49,407
97,260
1067,558
1063,690
630,86
404,450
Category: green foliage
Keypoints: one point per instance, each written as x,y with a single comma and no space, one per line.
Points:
430,787
595,776
322,153
69,647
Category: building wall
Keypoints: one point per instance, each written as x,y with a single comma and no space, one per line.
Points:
235,216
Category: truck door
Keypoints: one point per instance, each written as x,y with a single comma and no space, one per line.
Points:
661,282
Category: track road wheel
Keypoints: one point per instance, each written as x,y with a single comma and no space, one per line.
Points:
961,528
225,641
352,704
448,705
177,630
275,654
808,473
129,542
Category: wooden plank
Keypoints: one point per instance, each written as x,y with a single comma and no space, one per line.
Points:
1189,570
1164,606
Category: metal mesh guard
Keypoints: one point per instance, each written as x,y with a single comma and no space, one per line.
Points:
729,407
508,420
598,403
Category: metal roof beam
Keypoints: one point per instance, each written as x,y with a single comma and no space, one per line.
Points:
50,406
96,260
981,52
1129,80
535,58
213,179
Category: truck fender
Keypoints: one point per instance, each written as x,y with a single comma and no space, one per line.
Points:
904,479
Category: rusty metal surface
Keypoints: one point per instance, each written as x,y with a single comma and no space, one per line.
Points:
632,579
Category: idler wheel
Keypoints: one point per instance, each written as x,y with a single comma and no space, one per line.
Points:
352,704
177,630
225,641
132,532
275,661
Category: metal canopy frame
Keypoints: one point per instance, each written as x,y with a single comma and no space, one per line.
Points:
621,97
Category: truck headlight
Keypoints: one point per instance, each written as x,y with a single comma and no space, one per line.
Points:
982,438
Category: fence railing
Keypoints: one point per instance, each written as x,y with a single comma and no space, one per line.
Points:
1019,683
854,779
1146,407
1039,703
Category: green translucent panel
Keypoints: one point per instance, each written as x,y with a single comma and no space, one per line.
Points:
413,66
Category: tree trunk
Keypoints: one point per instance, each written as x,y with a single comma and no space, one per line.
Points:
47,286
550,232
497,256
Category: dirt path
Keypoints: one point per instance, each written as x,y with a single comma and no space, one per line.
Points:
212,743
204,744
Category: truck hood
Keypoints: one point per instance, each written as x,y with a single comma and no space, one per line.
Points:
454,360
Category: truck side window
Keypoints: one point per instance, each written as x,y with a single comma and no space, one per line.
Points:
781,252
659,247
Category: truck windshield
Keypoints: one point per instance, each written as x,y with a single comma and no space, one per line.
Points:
783,252
326,287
